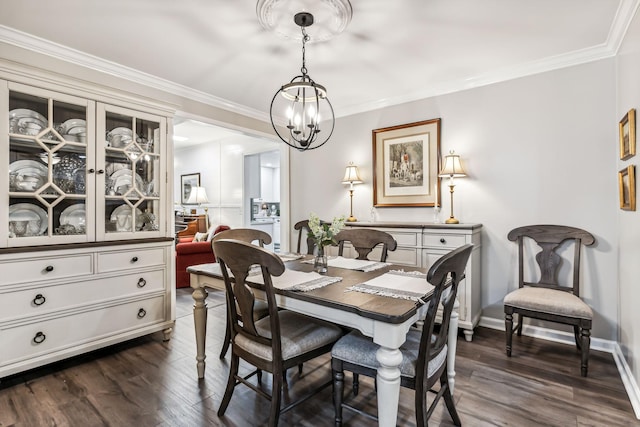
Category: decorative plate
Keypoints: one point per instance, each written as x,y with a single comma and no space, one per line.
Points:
28,211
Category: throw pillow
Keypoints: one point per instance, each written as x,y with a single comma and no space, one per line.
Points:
211,232
200,237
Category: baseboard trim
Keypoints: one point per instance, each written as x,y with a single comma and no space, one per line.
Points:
629,382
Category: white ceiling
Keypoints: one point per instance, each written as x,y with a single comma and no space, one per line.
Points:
391,52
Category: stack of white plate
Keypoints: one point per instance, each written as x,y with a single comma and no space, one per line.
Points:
119,137
26,122
74,130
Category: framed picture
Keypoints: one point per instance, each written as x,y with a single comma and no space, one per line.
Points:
627,188
187,182
406,161
627,129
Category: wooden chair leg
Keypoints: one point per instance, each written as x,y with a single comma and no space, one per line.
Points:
276,396
508,330
231,383
520,323
356,384
576,334
227,337
338,390
448,399
585,343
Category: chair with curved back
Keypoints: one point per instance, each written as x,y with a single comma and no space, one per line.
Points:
302,227
364,240
424,353
274,343
247,235
547,299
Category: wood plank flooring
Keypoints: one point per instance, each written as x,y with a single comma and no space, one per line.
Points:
148,382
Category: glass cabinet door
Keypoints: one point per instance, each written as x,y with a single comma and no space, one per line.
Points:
132,144
50,145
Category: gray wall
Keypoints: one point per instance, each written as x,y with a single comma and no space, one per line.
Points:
628,96
539,149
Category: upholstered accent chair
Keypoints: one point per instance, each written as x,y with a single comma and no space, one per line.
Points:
190,253
274,343
424,353
547,299
364,240
248,235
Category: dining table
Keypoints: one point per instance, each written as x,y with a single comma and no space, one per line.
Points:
385,319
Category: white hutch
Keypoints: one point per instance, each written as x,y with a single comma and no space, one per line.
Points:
86,248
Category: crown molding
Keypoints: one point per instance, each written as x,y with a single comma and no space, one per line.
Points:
64,53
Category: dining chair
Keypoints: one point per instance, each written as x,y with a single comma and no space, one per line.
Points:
248,235
303,227
274,343
424,353
364,240
548,299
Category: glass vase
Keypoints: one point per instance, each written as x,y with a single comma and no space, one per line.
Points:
320,262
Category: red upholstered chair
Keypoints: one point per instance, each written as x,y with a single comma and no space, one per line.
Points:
190,253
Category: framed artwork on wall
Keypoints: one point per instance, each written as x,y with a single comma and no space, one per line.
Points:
627,130
627,188
406,161
187,182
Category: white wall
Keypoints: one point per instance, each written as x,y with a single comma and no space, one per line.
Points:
538,149
628,96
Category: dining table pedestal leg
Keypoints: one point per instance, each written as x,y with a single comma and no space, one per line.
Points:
200,320
452,343
388,384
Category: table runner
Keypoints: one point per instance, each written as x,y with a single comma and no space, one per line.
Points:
411,285
292,280
352,264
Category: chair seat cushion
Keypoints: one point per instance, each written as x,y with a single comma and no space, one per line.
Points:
299,334
549,301
359,350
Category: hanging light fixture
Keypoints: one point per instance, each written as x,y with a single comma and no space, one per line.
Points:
303,103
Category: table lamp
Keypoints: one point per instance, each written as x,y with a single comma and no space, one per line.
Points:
452,168
351,177
198,196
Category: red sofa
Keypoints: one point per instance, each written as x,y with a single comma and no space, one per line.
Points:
190,253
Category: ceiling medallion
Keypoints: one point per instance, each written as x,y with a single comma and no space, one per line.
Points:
331,16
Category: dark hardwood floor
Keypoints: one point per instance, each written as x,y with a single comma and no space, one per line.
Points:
148,382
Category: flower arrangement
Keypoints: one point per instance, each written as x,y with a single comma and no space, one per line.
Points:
323,233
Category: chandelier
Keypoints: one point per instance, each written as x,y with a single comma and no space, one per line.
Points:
303,104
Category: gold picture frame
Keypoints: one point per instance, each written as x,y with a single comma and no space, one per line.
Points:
406,161
627,188
627,131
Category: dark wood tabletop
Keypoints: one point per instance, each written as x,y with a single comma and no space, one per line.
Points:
385,309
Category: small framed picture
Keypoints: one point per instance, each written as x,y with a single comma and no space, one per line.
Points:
627,128
187,182
627,188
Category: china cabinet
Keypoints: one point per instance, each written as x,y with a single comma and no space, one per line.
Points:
86,249
421,244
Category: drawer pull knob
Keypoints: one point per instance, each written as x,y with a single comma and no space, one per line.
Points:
442,240
100,171
134,259
92,170
141,282
141,313
48,268
39,338
39,299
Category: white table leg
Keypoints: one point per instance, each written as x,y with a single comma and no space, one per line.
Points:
388,378
452,342
200,320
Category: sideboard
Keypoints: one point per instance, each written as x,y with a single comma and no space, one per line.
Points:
421,244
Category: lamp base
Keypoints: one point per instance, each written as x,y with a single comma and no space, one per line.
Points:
351,219
452,221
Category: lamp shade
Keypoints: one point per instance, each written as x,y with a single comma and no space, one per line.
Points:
198,196
452,166
351,175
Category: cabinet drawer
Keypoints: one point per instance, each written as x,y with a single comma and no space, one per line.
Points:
403,256
45,268
406,238
441,240
44,299
41,338
130,259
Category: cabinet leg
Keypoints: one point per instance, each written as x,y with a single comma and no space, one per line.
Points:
167,334
468,334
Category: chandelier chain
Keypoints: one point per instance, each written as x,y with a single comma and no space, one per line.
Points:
305,39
